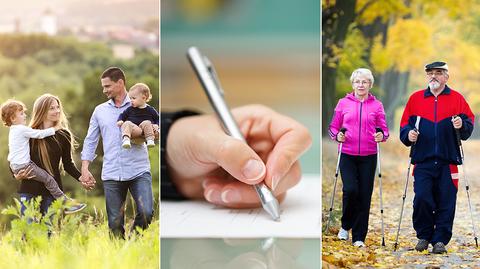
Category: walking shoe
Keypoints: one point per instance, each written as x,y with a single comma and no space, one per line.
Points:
359,244
342,234
421,245
74,206
439,248
150,143
126,143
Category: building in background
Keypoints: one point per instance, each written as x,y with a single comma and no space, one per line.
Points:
48,23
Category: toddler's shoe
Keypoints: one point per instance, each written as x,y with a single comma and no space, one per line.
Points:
126,143
73,206
150,143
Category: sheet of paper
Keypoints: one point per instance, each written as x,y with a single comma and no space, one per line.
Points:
300,217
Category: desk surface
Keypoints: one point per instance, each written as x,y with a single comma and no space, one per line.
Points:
300,217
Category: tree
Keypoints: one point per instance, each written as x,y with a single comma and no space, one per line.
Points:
336,19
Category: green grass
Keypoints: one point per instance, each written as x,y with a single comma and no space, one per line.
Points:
76,241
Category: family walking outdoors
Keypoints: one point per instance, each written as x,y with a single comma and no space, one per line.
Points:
435,120
40,150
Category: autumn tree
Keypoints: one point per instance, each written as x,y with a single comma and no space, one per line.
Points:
395,39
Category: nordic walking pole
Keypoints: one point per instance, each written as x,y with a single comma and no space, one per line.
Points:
467,186
342,130
406,186
379,130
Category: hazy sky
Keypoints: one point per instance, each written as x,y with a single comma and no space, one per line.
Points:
77,12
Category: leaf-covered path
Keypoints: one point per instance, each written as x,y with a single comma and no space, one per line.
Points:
462,252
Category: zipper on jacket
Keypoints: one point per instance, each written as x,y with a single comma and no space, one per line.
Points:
435,128
360,128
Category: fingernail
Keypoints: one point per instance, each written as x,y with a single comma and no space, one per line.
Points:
231,196
275,181
253,169
213,196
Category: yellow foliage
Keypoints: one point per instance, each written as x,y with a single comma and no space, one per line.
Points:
454,8
380,58
409,44
328,3
380,9
354,49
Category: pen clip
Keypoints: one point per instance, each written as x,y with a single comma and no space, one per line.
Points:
213,74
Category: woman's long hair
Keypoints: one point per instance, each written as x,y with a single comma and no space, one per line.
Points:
39,115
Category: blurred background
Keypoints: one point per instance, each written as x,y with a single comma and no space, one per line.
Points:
61,47
395,39
264,51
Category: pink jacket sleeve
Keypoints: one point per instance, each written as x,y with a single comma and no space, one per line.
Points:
381,122
337,121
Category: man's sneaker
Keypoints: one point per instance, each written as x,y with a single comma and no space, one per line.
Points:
342,234
439,248
126,143
421,245
74,206
150,143
359,244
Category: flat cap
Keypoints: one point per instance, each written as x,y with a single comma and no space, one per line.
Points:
436,65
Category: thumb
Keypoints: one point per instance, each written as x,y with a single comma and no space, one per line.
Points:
236,157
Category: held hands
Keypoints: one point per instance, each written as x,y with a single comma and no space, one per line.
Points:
119,123
87,180
206,163
457,122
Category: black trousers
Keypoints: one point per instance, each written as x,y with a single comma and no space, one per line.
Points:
358,173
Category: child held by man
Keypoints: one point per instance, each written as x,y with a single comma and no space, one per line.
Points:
140,119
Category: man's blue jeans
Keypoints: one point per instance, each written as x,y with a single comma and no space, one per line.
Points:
116,194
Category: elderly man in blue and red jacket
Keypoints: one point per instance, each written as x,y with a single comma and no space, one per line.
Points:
430,123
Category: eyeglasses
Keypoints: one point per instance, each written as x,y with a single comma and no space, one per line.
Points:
436,73
362,82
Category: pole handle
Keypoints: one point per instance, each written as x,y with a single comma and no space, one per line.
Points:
412,148
459,140
457,133
342,130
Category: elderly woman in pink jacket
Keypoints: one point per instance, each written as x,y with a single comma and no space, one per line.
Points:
363,117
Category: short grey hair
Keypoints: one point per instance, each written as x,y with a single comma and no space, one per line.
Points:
362,72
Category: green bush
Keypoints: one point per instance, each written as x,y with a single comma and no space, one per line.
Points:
74,241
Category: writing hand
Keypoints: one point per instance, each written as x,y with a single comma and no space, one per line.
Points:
204,162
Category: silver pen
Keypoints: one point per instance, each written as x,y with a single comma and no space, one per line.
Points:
208,77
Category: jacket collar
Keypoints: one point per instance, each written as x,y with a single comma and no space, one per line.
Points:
427,92
351,96
125,102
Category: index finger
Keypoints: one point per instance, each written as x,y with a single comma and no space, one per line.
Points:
290,138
